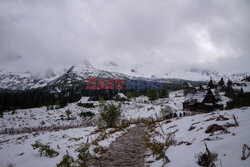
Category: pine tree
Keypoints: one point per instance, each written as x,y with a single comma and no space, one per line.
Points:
229,83
211,84
152,94
241,93
221,82
1,110
163,93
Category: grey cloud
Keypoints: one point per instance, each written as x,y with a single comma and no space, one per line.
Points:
9,58
157,35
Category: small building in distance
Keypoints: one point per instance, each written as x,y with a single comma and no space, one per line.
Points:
202,101
86,102
186,85
120,97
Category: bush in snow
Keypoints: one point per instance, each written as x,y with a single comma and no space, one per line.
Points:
83,155
110,113
45,150
67,161
68,112
207,158
158,149
68,115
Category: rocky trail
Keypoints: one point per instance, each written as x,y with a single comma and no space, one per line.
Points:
127,150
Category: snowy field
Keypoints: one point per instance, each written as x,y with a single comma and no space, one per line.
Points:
189,143
38,118
17,149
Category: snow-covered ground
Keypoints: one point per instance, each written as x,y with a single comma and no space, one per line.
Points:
41,117
228,146
136,108
16,148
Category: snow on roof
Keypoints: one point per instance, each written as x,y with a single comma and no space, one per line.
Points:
121,95
208,104
193,101
84,99
199,95
189,84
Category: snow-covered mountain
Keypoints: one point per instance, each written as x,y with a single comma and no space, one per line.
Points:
22,81
193,73
204,75
27,80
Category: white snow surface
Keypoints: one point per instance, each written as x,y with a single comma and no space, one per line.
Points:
227,146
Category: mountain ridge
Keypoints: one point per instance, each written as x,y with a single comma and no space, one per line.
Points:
27,80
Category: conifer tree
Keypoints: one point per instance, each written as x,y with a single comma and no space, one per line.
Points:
152,94
1,110
221,82
211,84
163,93
229,83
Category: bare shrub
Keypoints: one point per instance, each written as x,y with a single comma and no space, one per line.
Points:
215,127
221,118
207,158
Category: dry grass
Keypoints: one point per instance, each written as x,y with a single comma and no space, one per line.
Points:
215,127
207,158
221,118
191,128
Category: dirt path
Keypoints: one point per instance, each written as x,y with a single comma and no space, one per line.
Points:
127,150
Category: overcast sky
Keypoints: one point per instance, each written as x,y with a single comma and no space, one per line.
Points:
157,35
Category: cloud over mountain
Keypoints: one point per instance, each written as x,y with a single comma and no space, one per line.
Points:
156,35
